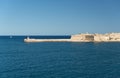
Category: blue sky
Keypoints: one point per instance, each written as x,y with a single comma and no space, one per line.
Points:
58,17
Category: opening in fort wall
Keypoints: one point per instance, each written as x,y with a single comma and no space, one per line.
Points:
89,37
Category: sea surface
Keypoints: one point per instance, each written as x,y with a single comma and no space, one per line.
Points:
58,59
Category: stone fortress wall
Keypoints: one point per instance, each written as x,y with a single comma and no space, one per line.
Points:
96,37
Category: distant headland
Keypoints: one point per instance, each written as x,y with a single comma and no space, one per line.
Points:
83,37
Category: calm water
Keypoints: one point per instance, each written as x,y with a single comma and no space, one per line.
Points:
58,59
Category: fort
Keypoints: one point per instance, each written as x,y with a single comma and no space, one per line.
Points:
83,37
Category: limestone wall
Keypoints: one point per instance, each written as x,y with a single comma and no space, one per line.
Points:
100,37
82,37
77,37
96,37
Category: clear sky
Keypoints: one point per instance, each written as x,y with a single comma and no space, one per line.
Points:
58,17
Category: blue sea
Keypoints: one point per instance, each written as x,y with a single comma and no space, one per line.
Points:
58,59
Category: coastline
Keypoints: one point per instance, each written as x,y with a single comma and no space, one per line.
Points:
61,40
108,37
